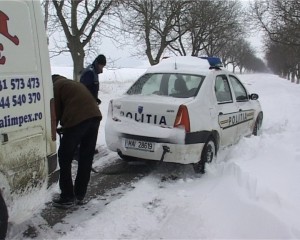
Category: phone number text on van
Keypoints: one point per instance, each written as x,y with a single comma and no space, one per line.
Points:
19,83
17,89
19,100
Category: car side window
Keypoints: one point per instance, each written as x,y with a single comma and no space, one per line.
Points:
166,84
177,85
222,89
152,84
239,89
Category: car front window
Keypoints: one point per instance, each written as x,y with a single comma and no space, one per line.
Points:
222,89
239,90
167,84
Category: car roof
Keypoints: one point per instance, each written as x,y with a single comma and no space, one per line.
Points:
182,64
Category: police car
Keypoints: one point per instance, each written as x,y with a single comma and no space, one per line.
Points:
182,110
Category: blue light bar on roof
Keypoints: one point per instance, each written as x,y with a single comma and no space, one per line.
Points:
214,61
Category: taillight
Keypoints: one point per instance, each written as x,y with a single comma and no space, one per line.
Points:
182,118
53,120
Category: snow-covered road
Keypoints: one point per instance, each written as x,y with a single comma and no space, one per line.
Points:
251,191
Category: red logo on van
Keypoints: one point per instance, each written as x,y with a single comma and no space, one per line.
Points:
4,31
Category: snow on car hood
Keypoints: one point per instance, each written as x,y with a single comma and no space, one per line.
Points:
182,64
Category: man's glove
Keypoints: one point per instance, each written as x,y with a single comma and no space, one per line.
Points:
98,101
59,131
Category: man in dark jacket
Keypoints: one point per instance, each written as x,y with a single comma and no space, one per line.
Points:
3,218
79,115
89,76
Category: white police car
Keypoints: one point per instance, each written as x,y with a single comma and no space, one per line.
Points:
182,110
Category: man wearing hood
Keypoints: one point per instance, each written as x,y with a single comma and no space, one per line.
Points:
79,115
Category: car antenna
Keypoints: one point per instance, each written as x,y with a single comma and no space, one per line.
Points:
175,64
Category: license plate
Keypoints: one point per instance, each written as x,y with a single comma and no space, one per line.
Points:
139,145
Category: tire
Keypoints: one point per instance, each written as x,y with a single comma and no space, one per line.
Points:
209,152
124,157
257,125
3,218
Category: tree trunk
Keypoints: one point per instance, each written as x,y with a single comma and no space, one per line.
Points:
46,15
80,21
293,76
77,54
78,67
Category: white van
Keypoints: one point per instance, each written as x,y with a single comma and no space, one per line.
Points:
27,122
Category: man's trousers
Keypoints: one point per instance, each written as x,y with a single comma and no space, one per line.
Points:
85,135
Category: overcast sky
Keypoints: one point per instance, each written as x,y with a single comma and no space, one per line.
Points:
118,57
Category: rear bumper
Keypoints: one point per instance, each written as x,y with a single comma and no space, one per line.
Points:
178,153
184,148
53,170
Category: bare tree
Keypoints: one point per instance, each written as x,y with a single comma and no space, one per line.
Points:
280,19
188,27
245,54
193,27
225,27
45,5
255,64
208,26
284,60
230,53
152,23
80,21
184,27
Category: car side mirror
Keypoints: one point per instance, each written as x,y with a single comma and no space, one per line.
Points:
253,96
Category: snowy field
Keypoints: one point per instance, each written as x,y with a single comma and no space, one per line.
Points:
252,191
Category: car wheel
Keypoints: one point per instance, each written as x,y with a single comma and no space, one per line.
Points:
257,125
124,157
209,152
3,218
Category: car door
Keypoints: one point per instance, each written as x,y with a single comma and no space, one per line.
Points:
245,109
227,109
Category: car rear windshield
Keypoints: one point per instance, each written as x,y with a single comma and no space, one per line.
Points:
167,84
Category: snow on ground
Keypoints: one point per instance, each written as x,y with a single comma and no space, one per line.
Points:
251,192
